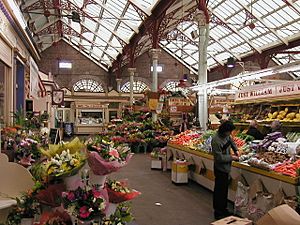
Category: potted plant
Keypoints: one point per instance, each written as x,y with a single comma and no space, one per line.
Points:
25,210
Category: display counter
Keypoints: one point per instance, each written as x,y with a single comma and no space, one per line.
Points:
203,173
90,117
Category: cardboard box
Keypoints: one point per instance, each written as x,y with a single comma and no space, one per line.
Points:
179,172
281,215
156,164
233,220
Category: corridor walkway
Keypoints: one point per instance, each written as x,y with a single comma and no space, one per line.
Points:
162,202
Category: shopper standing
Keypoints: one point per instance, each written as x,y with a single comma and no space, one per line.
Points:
221,145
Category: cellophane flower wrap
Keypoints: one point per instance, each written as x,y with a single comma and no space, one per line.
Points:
104,157
65,164
86,203
118,191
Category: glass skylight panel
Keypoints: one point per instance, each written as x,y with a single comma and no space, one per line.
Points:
190,60
235,38
210,61
93,10
242,48
117,5
223,56
90,24
116,43
78,3
215,47
88,35
99,42
222,11
98,51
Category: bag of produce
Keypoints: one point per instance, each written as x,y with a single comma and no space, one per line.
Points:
241,198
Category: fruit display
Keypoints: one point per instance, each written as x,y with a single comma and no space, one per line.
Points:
286,115
185,138
289,168
238,141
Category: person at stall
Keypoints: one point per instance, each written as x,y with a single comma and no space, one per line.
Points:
254,132
275,126
222,143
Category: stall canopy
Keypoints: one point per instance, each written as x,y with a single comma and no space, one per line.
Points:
102,29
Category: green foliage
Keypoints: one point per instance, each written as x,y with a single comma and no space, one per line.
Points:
122,216
19,118
27,207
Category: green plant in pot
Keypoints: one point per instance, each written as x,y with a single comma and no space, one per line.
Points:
25,210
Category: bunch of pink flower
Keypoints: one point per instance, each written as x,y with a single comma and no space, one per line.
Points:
85,204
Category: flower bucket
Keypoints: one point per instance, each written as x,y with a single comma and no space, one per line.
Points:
97,179
111,209
73,182
27,221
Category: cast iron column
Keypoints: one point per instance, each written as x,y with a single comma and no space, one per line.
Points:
202,68
154,53
131,75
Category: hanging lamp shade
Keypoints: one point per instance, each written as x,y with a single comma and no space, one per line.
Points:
230,62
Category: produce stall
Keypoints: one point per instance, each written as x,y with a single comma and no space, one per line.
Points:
195,148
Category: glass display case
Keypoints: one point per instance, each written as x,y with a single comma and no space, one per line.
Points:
90,117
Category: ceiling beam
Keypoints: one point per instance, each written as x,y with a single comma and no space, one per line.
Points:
157,12
143,9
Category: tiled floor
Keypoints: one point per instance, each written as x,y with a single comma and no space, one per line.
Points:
162,202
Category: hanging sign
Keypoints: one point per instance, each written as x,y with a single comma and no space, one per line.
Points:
269,91
34,79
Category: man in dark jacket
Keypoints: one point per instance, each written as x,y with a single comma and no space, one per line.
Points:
254,132
221,145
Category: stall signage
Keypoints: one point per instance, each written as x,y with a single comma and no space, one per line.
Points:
267,91
178,102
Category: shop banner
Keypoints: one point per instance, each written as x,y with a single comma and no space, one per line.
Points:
269,91
34,79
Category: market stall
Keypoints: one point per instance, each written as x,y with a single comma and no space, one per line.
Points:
203,173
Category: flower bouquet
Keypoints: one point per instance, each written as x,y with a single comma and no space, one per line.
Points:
74,146
85,204
54,218
118,191
27,151
104,158
67,165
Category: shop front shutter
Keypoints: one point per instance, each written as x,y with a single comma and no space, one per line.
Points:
5,53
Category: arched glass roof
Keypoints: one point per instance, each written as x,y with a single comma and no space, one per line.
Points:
105,27
238,28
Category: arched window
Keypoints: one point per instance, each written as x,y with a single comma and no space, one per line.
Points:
138,87
172,86
88,85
